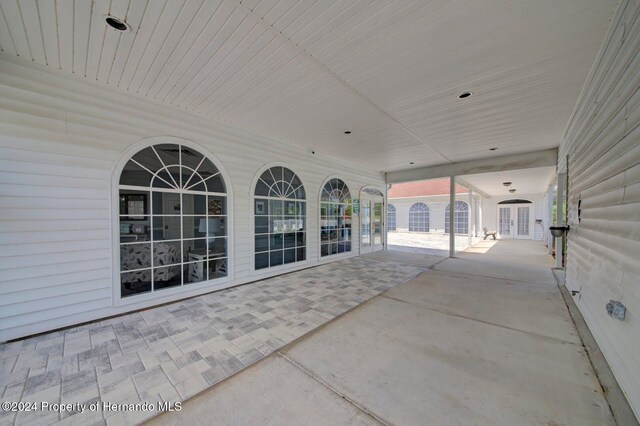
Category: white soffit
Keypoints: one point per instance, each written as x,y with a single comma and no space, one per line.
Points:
527,181
304,71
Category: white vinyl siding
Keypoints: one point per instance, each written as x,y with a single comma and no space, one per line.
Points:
61,142
602,143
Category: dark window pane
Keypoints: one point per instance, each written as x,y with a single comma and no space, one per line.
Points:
166,203
135,256
261,188
135,282
217,247
133,174
166,228
132,231
276,208
334,248
148,159
190,158
261,207
175,173
262,225
193,250
195,272
324,250
262,260
134,204
194,226
194,204
215,184
169,153
275,241
165,277
216,226
163,180
217,268
300,254
275,258
289,256
217,206
276,224
300,239
262,243
167,253
289,240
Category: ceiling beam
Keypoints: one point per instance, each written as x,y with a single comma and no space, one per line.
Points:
467,185
547,157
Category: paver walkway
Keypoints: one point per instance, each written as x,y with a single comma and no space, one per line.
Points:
170,353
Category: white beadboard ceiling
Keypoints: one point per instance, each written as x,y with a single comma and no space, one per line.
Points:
304,71
527,181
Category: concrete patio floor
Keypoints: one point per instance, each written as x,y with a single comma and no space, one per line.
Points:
484,339
172,352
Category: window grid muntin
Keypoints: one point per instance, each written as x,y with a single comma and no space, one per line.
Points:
419,218
293,192
335,207
460,217
150,218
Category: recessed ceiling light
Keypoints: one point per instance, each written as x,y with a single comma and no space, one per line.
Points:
506,183
512,191
493,149
347,132
464,95
413,162
117,23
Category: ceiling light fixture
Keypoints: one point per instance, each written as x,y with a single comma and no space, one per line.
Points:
512,191
117,23
506,183
464,95
347,132
493,149
412,162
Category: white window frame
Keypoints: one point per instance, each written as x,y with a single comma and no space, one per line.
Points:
275,270
171,293
337,255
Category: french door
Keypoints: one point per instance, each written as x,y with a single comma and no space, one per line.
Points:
514,221
370,223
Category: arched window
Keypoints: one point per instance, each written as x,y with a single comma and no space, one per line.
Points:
335,218
391,217
173,220
460,218
280,214
419,218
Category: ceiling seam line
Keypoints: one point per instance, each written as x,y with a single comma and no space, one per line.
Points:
340,80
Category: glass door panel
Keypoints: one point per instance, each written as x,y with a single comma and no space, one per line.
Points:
365,215
504,222
377,225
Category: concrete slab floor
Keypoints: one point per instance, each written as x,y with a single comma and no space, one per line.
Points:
448,347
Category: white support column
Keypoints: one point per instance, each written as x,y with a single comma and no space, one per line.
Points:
559,219
470,219
452,208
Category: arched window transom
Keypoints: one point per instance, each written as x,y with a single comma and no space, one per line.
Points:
173,220
419,218
335,218
280,218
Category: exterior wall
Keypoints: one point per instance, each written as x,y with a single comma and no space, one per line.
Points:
60,142
602,143
490,213
437,206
